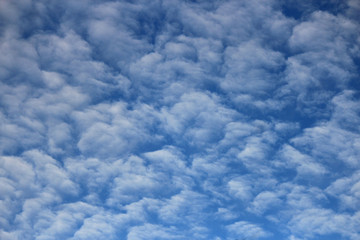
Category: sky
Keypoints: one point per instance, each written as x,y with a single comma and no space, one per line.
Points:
180,120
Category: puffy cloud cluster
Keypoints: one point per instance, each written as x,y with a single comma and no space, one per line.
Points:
216,120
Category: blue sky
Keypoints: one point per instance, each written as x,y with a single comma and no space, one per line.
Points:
178,120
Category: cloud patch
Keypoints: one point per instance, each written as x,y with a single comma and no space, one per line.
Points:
179,120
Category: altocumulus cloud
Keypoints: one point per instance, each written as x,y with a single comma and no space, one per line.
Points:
216,120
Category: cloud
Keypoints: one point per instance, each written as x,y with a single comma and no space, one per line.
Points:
264,201
198,118
321,64
247,68
323,221
335,133
97,226
240,188
179,119
246,230
168,160
110,130
187,205
40,183
347,191
304,164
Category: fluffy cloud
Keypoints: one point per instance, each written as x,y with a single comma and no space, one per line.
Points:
179,119
246,230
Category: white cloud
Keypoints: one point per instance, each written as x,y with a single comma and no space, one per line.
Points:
300,197
320,31
226,214
347,190
40,183
179,119
169,158
198,117
186,206
255,153
247,68
323,221
97,226
49,173
246,230
264,201
241,188
326,142
111,130
305,165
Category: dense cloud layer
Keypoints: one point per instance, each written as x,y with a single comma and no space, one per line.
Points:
179,120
